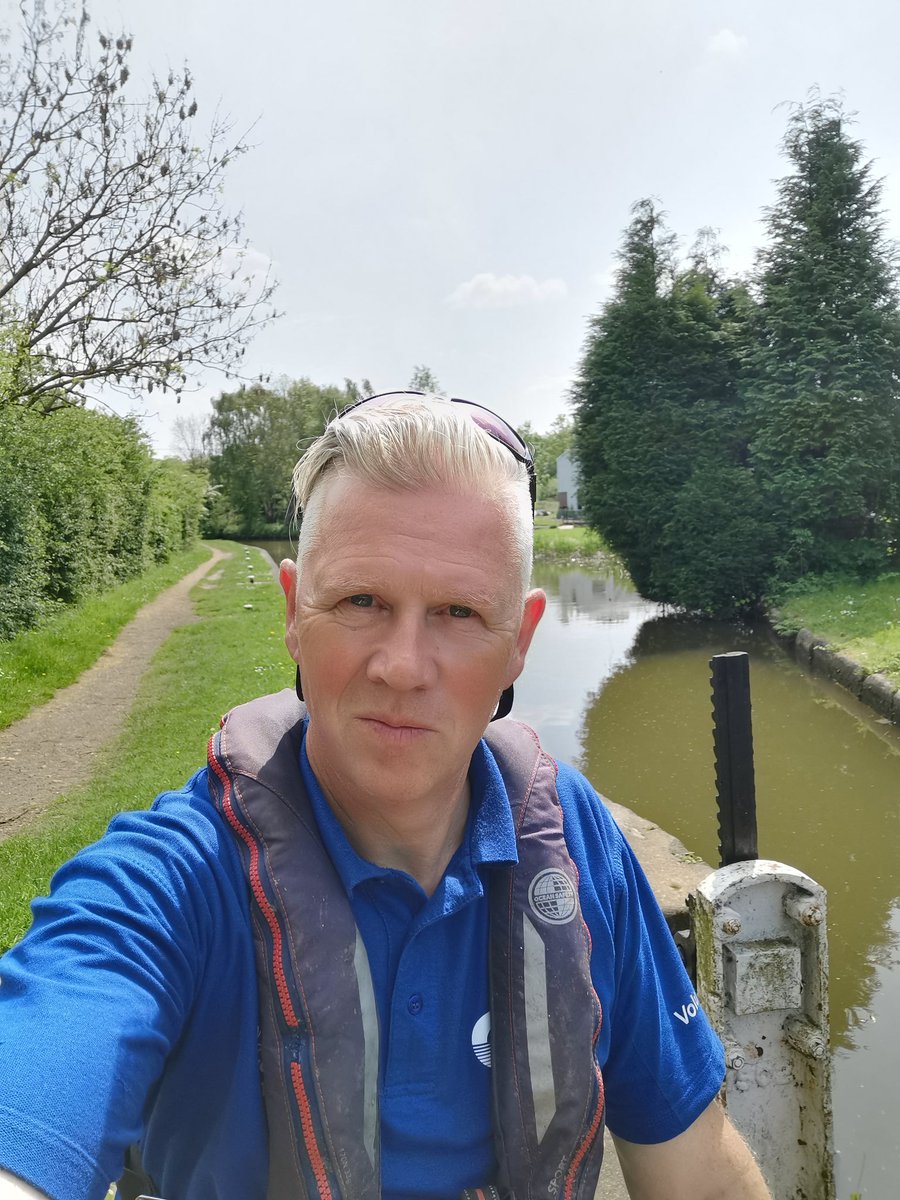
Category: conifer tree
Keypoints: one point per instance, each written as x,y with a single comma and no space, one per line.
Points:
621,420
823,376
656,407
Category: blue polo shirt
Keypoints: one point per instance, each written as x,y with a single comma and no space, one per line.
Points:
422,950
130,1011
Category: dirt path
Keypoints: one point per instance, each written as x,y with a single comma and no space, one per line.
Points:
52,749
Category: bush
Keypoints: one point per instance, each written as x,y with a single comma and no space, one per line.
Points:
715,552
83,506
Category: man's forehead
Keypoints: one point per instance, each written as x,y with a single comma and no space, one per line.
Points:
377,532
347,499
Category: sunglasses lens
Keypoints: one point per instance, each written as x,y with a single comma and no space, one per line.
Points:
493,425
498,429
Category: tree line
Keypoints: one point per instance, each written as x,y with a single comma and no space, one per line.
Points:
736,435
119,269
255,434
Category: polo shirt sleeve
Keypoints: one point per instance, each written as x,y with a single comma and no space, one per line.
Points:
662,1062
95,996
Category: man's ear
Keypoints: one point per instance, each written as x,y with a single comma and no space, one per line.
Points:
287,577
535,604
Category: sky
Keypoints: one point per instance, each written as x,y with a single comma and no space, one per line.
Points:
446,182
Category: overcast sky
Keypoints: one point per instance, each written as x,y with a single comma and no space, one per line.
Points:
446,181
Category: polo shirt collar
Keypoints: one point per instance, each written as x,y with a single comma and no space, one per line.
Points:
490,835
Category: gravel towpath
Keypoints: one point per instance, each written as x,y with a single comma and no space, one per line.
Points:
52,749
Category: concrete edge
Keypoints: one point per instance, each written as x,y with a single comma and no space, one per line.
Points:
875,690
672,870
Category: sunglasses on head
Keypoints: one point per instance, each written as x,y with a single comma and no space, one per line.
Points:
493,425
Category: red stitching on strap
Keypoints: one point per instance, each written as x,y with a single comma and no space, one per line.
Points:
259,894
589,1139
309,1136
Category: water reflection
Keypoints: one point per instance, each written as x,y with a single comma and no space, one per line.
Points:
576,594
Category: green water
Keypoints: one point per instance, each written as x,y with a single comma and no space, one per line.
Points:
622,690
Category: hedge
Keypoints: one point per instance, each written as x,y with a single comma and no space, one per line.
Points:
83,506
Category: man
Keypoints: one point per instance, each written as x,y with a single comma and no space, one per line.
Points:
366,951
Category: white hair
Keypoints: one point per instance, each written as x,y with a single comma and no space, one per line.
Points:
409,443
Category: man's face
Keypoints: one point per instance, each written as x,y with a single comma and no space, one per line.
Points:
407,624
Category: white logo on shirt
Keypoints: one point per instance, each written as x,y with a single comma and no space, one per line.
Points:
688,1011
481,1039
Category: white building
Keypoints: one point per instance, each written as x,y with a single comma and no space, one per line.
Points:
567,482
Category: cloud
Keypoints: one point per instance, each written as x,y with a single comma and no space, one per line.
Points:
488,290
251,266
726,44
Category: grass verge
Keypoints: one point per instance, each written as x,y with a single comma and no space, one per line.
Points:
577,542
232,654
38,663
861,620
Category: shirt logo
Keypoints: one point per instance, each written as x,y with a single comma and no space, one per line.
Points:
688,1011
552,896
481,1039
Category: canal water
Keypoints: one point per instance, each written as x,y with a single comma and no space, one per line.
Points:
621,689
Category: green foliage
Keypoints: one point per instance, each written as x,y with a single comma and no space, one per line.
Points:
734,437
255,437
178,706
822,375
578,542
358,391
656,402
862,621
546,448
715,552
83,506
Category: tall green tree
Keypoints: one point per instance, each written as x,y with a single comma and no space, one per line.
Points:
823,376
255,437
656,406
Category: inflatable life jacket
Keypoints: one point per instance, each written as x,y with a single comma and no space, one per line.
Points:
318,1021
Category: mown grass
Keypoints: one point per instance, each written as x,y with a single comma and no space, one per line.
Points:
575,542
38,663
861,620
233,654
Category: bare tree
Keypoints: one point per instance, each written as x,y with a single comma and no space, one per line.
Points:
118,265
188,431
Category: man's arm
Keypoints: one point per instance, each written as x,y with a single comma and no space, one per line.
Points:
709,1161
13,1188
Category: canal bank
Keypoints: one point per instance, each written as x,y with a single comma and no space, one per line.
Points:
873,689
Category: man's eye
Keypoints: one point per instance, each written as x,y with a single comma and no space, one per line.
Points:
361,600
459,610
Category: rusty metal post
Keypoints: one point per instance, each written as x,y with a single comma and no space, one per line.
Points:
733,746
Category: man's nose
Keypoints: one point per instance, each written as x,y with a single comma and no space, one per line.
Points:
404,655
